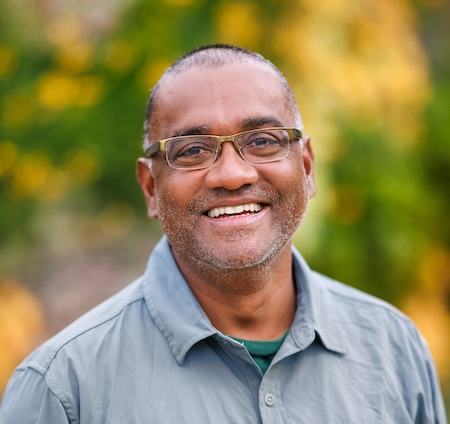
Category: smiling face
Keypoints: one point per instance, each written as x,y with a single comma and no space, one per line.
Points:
234,214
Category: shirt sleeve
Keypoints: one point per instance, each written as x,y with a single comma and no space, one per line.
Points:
29,400
437,413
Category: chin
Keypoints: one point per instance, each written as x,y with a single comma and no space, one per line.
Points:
248,258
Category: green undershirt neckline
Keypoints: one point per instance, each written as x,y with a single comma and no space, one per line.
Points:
262,351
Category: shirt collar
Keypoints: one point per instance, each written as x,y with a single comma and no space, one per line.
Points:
181,320
316,308
173,307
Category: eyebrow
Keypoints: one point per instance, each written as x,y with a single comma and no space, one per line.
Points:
197,130
246,124
259,122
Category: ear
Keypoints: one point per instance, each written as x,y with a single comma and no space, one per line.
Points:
146,181
308,163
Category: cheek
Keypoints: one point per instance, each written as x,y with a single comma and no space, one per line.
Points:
169,215
288,175
169,187
173,205
168,204
293,189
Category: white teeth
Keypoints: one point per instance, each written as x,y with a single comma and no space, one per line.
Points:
233,210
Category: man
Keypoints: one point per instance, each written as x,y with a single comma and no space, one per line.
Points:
228,324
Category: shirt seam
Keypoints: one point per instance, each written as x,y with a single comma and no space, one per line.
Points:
376,303
52,356
53,387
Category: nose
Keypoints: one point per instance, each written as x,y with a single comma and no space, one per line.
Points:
230,171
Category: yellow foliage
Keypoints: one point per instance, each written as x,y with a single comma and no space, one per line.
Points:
152,72
33,175
362,59
30,174
238,23
8,61
434,270
22,326
57,90
432,317
181,2
75,57
427,305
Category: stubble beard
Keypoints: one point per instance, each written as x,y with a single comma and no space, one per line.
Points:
202,259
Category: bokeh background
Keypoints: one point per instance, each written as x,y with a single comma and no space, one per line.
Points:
372,81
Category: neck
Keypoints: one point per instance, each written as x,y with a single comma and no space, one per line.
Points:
255,303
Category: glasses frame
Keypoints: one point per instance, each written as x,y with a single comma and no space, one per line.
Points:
160,146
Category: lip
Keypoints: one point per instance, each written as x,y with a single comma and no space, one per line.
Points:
237,221
231,211
233,202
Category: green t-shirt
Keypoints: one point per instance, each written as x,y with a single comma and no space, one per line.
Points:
263,351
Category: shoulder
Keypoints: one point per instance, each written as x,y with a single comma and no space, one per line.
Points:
121,310
370,324
352,299
349,306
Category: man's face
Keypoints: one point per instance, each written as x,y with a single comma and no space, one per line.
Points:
224,101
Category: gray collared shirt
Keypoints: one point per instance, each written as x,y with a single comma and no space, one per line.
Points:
150,355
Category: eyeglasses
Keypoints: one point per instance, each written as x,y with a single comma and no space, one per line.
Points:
201,151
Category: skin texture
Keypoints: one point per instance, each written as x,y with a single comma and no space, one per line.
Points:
239,268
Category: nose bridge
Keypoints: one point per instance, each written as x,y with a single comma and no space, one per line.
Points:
225,138
230,171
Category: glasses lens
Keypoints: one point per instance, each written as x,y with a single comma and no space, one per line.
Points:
191,152
264,145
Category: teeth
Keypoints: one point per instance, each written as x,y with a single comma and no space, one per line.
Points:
233,210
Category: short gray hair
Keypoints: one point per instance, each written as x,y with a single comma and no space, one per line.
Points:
212,56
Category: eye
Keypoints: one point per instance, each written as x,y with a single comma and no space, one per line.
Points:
263,140
193,149
190,151
259,141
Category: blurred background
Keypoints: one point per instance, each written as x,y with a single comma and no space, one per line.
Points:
371,79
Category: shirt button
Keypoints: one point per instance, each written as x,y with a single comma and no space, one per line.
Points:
269,399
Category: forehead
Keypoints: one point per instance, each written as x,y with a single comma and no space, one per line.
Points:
220,98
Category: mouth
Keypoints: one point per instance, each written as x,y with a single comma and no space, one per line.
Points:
230,211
